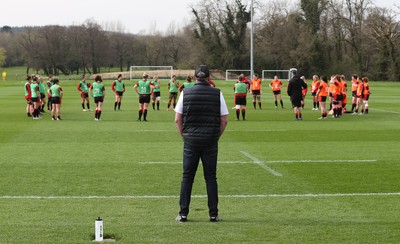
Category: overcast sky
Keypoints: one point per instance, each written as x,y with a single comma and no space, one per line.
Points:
135,16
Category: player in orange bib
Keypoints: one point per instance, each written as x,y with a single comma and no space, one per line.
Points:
366,93
276,86
354,85
314,89
344,93
359,96
337,96
256,90
322,93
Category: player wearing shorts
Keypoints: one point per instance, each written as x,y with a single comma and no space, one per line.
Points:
156,95
42,91
354,86
35,97
331,87
344,94
144,88
56,93
83,88
322,93
359,96
118,87
240,90
49,83
173,88
337,96
98,92
366,93
276,86
28,95
314,89
256,90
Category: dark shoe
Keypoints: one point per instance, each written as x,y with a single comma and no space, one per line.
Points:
215,219
181,218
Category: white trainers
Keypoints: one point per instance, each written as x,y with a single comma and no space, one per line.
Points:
84,110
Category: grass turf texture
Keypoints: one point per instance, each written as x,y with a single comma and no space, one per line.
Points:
80,157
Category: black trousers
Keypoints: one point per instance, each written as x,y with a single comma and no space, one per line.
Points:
191,157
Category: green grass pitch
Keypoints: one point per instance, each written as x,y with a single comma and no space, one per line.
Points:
280,180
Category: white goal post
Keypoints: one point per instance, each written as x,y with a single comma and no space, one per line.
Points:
232,74
163,72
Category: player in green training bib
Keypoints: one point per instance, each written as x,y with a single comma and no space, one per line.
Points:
56,93
156,95
35,97
187,84
118,87
240,89
144,88
98,92
28,96
173,86
42,91
83,88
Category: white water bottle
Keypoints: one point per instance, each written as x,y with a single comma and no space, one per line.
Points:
98,229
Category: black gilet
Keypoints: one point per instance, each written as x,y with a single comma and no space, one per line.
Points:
201,114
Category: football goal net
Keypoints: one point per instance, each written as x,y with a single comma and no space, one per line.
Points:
233,74
163,72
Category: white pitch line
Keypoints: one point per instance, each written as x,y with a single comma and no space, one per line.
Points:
281,161
278,130
261,164
386,111
219,162
314,195
324,161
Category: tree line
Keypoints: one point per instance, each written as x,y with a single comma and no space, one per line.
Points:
316,36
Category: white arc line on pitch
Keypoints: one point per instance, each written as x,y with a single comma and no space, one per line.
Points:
261,164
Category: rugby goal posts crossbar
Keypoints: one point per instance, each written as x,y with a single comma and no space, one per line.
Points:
151,71
235,71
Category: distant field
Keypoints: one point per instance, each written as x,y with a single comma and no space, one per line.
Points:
280,180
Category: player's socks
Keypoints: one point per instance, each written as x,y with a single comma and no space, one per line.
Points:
99,114
154,107
115,105
254,104
119,105
244,114
237,114
145,115
158,105
259,105
140,114
83,106
281,104
276,103
88,106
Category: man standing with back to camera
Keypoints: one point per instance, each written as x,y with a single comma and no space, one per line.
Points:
201,117
294,90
